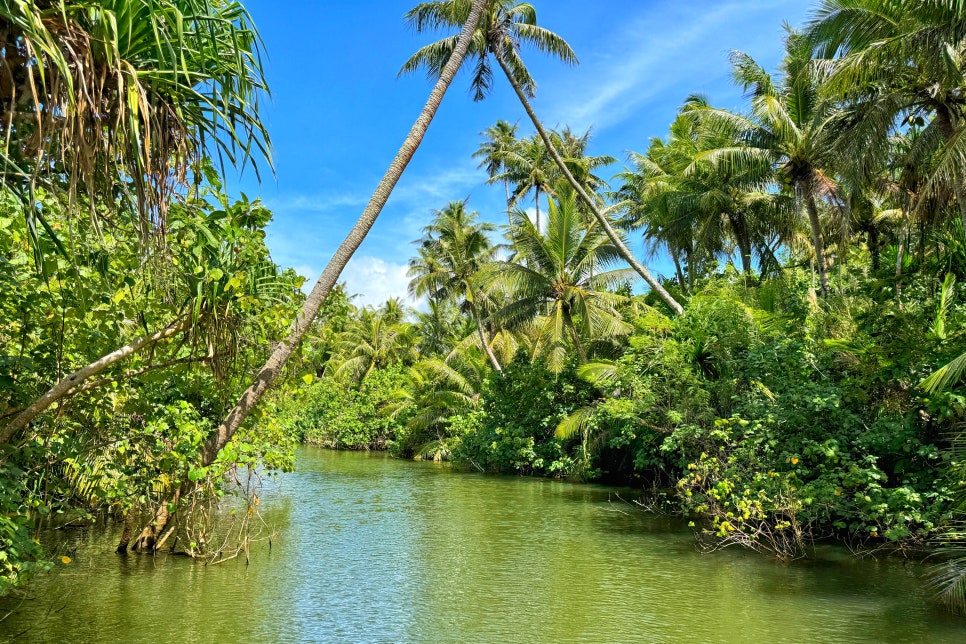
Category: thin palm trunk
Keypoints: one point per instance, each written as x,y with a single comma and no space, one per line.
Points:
486,345
679,272
536,202
817,240
73,382
341,257
509,216
506,187
611,234
740,229
569,322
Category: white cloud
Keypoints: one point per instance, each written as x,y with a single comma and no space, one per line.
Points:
375,280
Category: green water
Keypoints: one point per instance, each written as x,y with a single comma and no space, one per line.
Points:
370,549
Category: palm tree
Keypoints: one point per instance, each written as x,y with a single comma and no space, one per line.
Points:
790,128
451,254
347,248
503,28
573,150
501,141
562,285
376,339
699,211
123,95
898,63
527,168
441,327
436,391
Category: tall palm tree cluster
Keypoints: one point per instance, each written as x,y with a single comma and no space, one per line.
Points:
849,161
856,145
554,295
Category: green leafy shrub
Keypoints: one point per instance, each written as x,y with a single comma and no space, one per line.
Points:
330,413
515,431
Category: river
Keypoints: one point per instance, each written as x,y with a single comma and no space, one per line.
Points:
370,549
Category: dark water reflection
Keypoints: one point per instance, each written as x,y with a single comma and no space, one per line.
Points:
375,550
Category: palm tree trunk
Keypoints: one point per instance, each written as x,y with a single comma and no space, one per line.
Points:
611,234
536,202
679,272
874,247
486,345
569,322
740,229
817,240
73,381
506,186
341,257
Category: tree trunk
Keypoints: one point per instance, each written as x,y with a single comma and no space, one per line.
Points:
536,202
740,229
129,521
486,345
147,540
509,217
73,381
611,234
679,272
569,323
817,240
341,257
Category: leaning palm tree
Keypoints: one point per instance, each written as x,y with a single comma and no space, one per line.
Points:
563,285
789,128
453,251
503,28
349,245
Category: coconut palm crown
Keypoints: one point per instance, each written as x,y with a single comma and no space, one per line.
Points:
504,26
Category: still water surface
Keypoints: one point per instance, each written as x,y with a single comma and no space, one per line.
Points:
370,549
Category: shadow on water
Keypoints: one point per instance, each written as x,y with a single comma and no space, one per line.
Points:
373,549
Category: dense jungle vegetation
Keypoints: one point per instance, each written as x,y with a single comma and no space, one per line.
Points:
796,376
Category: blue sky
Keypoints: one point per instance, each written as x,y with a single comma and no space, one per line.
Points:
338,112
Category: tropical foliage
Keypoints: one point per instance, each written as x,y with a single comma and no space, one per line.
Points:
798,374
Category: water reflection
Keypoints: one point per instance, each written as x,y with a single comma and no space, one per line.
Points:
371,549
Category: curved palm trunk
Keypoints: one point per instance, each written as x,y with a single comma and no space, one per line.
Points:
73,382
341,257
818,241
486,345
558,161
